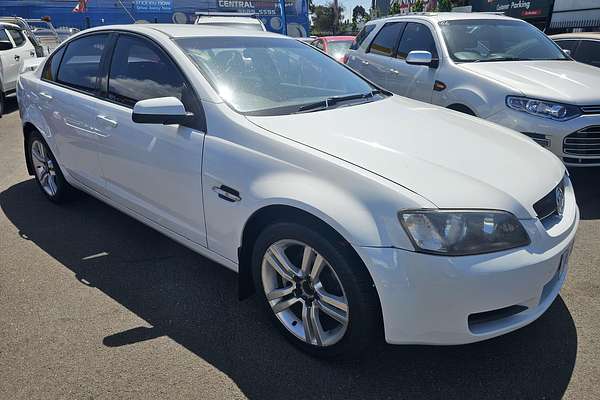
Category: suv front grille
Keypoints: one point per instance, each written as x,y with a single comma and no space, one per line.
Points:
585,142
590,109
546,206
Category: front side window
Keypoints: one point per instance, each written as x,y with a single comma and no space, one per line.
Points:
589,52
272,76
416,37
494,40
570,45
80,66
140,71
4,36
17,36
386,39
362,35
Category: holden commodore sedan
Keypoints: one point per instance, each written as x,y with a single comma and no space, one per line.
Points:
354,214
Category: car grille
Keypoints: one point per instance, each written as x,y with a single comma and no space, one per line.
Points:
590,109
585,142
546,206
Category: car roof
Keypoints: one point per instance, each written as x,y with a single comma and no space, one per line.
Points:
577,35
207,19
446,16
187,30
9,25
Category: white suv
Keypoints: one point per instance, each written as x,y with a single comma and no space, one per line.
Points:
497,68
15,48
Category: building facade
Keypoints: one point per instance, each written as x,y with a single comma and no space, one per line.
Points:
106,12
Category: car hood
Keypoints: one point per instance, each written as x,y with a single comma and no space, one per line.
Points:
453,160
564,81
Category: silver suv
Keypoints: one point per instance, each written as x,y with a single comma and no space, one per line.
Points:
494,67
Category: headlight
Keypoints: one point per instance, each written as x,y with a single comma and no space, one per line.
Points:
546,109
463,232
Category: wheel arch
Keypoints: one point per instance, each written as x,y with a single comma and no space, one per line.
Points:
266,216
28,129
461,108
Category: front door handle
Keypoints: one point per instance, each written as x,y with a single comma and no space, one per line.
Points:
17,57
107,121
394,71
226,193
46,95
364,62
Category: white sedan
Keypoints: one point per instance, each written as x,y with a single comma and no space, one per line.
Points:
353,213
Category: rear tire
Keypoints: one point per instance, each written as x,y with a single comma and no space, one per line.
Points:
321,297
47,172
2,102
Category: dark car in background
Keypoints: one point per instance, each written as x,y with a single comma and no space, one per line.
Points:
583,46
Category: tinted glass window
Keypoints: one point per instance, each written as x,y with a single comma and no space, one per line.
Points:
81,62
17,36
589,52
141,71
4,36
416,37
272,76
362,35
495,40
319,44
568,45
385,41
51,66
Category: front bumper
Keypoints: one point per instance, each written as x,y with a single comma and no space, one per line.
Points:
428,299
555,133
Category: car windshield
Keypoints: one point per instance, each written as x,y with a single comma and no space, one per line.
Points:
338,47
274,76
497,40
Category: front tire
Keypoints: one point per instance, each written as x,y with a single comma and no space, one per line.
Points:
2,103
316,290
47,173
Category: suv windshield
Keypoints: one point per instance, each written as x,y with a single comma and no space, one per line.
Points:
273,76
497,40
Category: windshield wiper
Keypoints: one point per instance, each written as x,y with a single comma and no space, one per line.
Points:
334,100
502,59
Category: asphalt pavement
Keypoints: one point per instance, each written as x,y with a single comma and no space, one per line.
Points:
95,305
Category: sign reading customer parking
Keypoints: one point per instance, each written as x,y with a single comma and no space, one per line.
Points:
514,8
153,5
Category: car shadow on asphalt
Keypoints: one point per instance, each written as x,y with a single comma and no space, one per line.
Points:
10,105
193,301
586,182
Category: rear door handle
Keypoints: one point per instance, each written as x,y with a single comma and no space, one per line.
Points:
394,71
17,57
226,193
107,121
46,95
364,62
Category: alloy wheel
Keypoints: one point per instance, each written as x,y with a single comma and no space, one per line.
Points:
44,167
305,292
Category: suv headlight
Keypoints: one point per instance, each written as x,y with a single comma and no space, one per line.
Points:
463,232
541,108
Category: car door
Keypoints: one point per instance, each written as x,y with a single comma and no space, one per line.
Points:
414,81
154,170
69,98
23,47
588,52
9,63
375,61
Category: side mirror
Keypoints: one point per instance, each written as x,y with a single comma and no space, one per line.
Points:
4,45
419,57
162,110
567,52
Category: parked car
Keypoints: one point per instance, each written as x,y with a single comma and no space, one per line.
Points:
583,46
353,213
336,46
27,30
501,69
46,34
243,21
15,49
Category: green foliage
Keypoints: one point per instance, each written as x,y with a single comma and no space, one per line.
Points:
323,21
444,5
395,8
417,6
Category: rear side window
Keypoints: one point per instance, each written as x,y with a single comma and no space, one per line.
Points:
80,64
17,36
589,52
4,36
140,71
362,35
386,39
51,66
416,37
568,45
